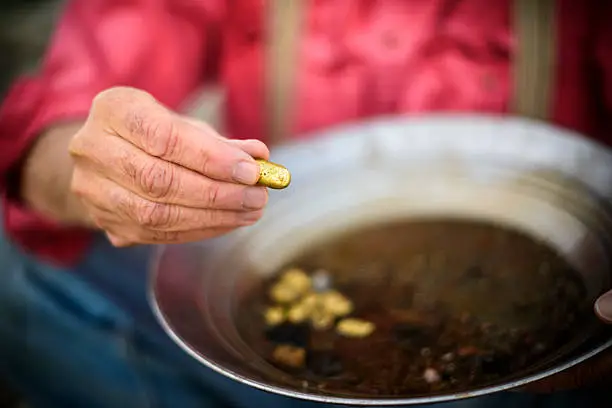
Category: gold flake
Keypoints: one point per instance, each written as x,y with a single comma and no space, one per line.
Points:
336,303
274,316
290,356
298,313
321,320
282,293
296,279
355,327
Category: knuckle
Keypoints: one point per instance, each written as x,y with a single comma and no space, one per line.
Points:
205,164
98,221
105,100
121,103
130,166
78,186
155,215
157,180
212,195
126,206
120,93
111,93
101,100
77,147
159,136
85,143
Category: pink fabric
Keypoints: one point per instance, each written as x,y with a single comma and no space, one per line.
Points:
358,58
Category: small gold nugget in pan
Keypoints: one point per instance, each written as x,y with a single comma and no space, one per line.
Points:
273,175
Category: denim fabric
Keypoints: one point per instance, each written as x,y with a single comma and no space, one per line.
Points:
86,338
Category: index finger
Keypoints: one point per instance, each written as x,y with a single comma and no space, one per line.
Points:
138,118
255,148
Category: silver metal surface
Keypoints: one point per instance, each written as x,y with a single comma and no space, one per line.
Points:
551,183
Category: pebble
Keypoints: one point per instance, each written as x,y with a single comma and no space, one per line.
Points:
324,363
431,376
321,281
448,357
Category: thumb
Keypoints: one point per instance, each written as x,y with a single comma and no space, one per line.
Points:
603,307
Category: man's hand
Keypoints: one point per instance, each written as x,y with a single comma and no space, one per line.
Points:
147,175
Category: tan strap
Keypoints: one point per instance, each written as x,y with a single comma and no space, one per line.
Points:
533,65
284,28
534,60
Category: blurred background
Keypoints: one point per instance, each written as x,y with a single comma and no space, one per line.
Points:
25,26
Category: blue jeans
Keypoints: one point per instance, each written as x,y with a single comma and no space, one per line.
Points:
85,337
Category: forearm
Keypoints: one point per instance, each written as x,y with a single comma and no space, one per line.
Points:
46,175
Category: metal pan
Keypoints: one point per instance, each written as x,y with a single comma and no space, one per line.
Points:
548,182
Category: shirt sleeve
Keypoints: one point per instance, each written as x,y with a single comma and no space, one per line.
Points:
157,46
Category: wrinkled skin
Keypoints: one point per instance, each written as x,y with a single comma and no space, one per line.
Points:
147,175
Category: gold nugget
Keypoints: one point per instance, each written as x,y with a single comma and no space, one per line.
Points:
274,316
321,320
355,328
289,355
298,313
273,175
297,280
282,293
311,301
336,303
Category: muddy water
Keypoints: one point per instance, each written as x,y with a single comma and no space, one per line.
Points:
468,302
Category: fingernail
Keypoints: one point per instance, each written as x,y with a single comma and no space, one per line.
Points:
246,172
603,307
255,198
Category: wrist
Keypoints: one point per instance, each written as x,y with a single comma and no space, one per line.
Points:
45,175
